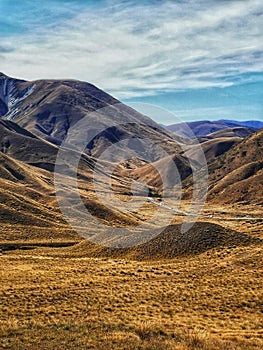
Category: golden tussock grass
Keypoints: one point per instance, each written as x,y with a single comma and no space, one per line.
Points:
210,301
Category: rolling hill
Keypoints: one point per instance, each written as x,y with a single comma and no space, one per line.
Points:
171,243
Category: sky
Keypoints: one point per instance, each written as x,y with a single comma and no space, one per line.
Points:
199,59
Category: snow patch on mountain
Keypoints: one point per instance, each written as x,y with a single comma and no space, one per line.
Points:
12,97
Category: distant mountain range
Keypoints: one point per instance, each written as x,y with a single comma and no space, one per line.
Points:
206,127
255,124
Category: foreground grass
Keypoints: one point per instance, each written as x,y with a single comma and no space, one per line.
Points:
104,336
209,302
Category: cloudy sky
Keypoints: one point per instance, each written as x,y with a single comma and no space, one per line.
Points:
200,59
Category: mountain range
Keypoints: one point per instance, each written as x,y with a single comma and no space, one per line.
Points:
35,119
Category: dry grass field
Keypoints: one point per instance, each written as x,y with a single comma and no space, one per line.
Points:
84,297
53,299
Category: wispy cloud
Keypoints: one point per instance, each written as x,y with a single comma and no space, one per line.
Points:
134,50
238,112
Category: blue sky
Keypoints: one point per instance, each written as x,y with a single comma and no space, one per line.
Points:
200,59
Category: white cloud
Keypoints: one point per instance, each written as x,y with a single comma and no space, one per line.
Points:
215,113
134,50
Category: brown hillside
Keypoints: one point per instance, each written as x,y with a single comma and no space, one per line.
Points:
149,173
22,145
213,148
237,175
26,196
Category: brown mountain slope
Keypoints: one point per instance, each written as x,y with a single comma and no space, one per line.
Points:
190,157
162,173
243,184
26,195
237,175
49,108
22,145
238,131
